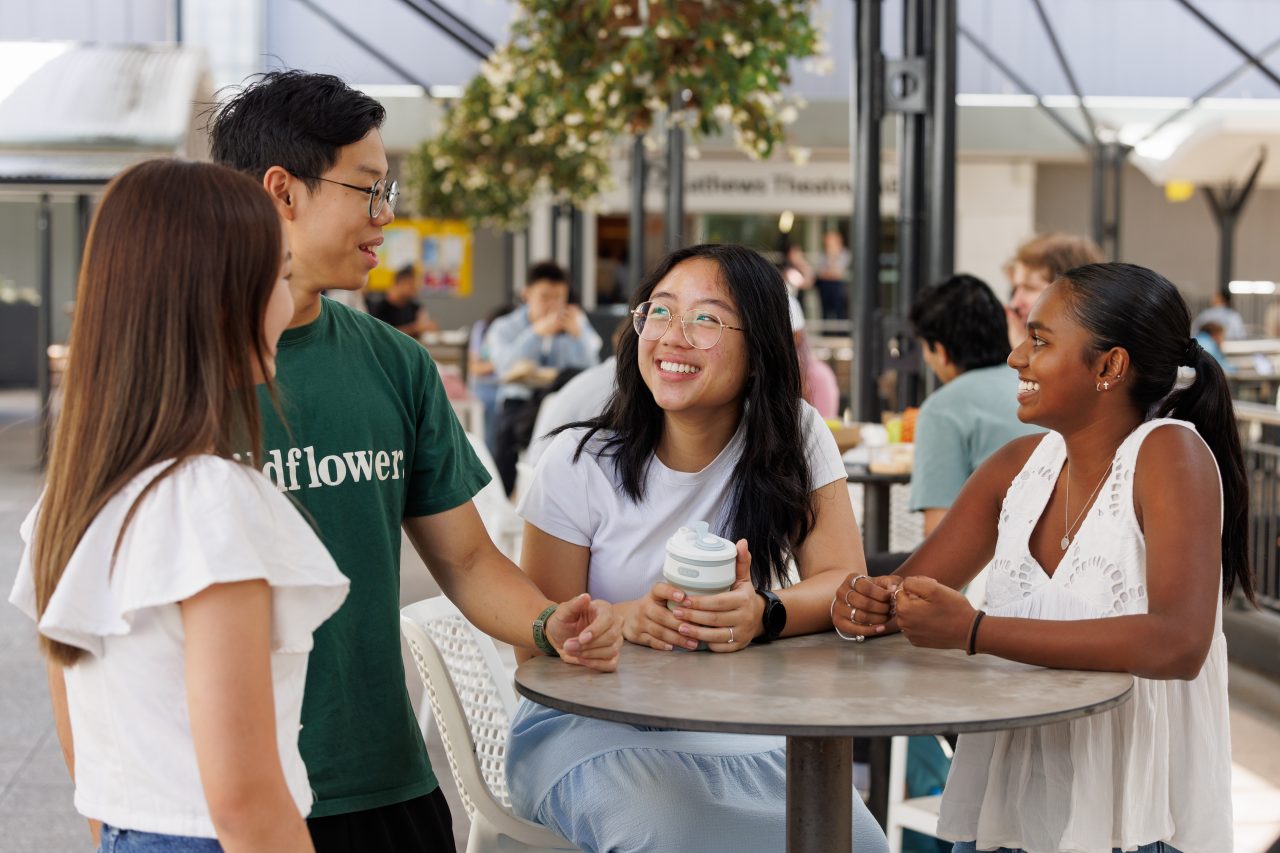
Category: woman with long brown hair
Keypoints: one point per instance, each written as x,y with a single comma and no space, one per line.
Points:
174,588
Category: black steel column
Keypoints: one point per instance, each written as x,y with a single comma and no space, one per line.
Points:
911,139
635,227
576,251
508,262
940,221
865,242
675,180
84,215
1098,214
44,328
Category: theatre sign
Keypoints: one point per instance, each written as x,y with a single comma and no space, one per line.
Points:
741,186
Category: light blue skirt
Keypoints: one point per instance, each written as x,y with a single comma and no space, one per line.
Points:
613,788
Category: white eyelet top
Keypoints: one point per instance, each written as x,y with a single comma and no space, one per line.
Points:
1157,768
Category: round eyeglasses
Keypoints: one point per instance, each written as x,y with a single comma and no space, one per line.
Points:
382,195
701,329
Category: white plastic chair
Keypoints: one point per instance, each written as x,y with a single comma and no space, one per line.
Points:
473,703
506,529
919,813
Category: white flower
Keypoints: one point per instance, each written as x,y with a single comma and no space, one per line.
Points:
723,112
483,124
573,119
617,68
799,155
537,137
788,115
692,152
662,31
614,98
729,38
622,10
442,163
504,113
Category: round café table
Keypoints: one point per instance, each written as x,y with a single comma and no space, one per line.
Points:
820,692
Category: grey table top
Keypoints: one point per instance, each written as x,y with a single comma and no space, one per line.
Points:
822,686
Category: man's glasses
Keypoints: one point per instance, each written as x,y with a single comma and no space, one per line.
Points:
702,329
382,195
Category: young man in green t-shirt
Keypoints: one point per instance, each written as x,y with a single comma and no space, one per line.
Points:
369,444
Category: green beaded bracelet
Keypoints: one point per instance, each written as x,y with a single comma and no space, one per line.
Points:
540,632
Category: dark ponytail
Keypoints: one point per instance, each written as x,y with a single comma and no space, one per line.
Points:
1128,306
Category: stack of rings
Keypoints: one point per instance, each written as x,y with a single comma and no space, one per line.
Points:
853,611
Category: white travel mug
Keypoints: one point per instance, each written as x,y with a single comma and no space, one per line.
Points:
699,562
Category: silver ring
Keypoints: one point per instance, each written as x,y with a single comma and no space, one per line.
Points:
731,635
853,581
853,616
847,593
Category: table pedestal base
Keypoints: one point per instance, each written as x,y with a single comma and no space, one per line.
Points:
819,794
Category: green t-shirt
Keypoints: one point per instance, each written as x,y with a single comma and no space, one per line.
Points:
959,426
371,439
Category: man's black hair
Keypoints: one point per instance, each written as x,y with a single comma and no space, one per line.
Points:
407,270
964,316
293,119
547,271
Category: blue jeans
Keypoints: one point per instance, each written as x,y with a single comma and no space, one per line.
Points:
969,847
115,840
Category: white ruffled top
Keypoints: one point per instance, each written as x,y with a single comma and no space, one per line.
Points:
1157,768
211,521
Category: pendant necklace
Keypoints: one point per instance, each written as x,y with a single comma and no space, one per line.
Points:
1067,528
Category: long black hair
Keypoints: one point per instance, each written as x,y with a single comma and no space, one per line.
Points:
769,500
1124,305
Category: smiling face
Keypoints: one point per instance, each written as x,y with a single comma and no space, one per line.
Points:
1058,370
334,240
688,380
1028,283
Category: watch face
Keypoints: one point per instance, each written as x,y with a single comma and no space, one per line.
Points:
775,617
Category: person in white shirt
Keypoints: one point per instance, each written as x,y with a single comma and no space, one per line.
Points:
1116,538
174,588
706,424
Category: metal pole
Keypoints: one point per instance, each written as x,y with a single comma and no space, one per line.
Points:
1066,67
1235,45
910,169
575,250
177,21
1118,155
635,230
84,214
365,45
868,82
1098,217
941,218
1024,86
1213,89
508,262
674,225
44,328
819,785
911,204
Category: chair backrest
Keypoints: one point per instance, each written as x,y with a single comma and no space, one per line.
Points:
470,696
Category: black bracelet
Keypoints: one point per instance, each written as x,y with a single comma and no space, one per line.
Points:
973,632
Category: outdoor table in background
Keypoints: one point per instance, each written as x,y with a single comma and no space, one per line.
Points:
820,692
875,505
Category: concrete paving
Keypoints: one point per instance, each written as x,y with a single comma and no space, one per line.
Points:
36,811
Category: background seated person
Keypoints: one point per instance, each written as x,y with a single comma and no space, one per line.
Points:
1036,265
546,332
964,337
1221,314
400,307
707,424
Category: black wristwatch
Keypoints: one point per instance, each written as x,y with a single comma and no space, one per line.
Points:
774,619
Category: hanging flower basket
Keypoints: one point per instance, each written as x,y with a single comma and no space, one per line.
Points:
577,74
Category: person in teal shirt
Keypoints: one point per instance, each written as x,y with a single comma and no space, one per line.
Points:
964,336
365,441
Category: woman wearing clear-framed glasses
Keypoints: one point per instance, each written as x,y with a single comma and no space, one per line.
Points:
706,423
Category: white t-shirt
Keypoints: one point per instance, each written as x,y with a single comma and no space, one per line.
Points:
582,397
211,521
583,503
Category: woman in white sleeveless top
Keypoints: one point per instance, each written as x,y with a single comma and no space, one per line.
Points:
1113,542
